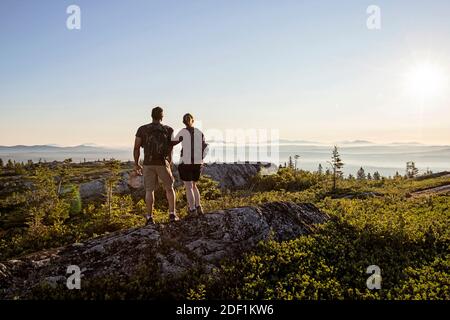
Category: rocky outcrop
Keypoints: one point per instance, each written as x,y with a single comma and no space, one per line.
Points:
236,175
228,175
433,176
439,190
192,243
357,195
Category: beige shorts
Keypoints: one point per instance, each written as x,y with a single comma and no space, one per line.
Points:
152,173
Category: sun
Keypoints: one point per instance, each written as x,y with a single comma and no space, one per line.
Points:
426,80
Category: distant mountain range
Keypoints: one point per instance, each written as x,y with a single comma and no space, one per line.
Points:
55,148
47,148
287,141
364,142
386,158
59,153
90,147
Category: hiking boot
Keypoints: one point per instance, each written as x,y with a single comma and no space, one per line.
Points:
173,217
192,212
149,221
199,210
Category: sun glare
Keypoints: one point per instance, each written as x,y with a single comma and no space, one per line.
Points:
426,80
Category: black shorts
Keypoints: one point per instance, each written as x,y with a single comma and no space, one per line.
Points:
189,172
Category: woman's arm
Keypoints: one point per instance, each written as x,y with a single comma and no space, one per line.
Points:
205,148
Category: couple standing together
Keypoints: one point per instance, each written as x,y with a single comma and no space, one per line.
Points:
158,140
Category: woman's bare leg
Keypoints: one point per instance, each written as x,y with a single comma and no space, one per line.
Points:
196,195
190,194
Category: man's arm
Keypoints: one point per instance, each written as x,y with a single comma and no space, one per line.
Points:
137,154
171,143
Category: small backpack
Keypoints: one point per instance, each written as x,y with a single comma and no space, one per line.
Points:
157,142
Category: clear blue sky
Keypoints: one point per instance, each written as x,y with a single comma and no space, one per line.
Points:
311,69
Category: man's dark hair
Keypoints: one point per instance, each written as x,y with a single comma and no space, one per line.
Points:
157,113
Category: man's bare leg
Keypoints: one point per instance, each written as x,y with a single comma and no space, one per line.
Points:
170,194
149,200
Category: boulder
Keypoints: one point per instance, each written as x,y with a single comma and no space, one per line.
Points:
173,249
228,175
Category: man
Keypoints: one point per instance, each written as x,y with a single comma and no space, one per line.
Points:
156,139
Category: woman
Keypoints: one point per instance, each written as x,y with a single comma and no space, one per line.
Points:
191,160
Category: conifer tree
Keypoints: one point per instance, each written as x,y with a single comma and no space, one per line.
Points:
337,165
411,169
111,181
376,176
361,174
10,164
320,169
290,163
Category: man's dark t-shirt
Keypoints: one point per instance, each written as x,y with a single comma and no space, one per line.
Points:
144,132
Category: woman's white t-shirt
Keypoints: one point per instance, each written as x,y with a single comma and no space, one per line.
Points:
194,147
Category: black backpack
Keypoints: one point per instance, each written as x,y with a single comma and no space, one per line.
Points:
157,142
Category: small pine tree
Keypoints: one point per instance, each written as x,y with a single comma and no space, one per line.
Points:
411,169
64,174
111,181
296,157
44,207
369,176
376,176
290,163
361,174
337,165
10,164
30,163
1,163
320,169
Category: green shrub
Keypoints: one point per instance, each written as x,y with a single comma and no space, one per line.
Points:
287,179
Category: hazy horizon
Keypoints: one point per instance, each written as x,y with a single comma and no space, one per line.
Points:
281,142
386,159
